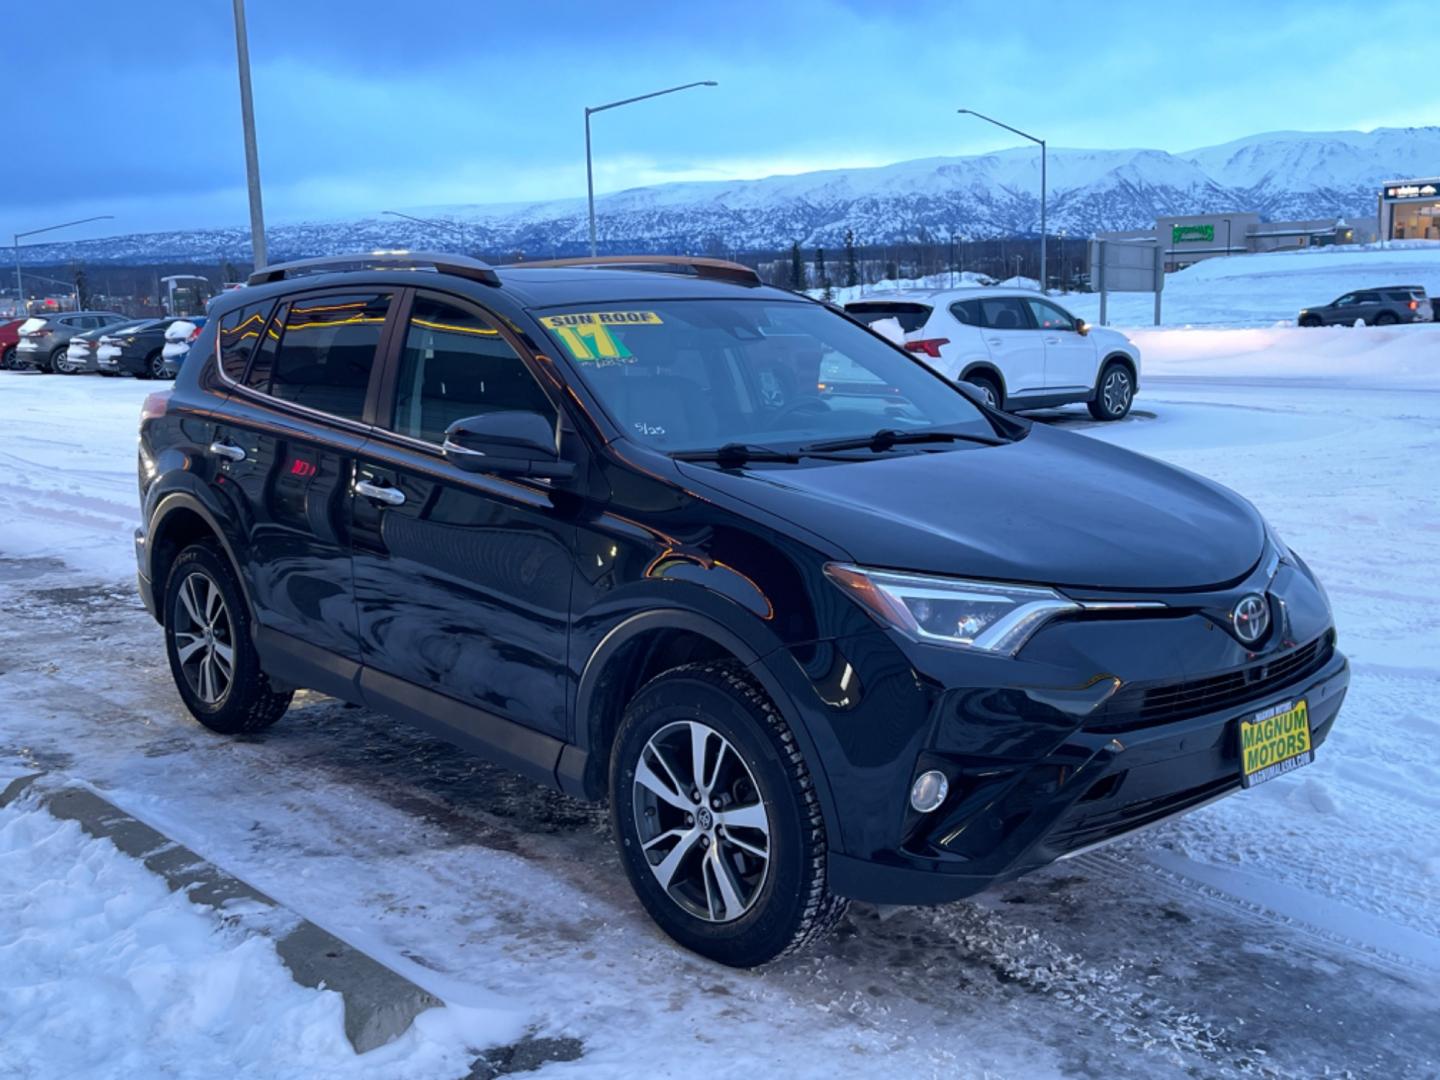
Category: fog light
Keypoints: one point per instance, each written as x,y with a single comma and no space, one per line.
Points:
929,790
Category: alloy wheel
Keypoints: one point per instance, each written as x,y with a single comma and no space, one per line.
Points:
703,826
204,638
1116,392
157,367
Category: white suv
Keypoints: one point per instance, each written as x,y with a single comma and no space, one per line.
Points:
1020,349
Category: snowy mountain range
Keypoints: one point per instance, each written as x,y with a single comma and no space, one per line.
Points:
1280,175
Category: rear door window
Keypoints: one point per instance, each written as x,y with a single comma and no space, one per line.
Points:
967,312
910,316
1004,313
327,350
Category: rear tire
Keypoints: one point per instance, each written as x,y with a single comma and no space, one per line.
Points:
988,388
742,846
156,363
1114,392
212,656
1386,318
57,357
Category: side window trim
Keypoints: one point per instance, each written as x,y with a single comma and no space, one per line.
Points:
388,387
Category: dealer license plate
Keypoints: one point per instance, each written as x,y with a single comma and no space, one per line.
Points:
1275,741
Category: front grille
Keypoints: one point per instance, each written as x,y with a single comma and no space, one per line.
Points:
1142,706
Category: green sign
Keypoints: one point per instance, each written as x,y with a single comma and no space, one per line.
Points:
1181,233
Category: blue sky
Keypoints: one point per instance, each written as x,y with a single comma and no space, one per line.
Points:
363,105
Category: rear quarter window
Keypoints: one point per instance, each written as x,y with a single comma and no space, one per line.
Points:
239,330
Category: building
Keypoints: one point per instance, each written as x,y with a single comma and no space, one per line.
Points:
1195,237
1410,209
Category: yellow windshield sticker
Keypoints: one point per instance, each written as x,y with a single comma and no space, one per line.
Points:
586,334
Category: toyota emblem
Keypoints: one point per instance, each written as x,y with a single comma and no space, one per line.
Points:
1251,618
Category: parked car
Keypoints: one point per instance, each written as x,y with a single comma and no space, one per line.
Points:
179,336
83,353
1384,306
604,526
137,349
44,339
9,338
1022,350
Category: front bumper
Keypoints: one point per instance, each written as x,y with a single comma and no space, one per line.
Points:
1095,786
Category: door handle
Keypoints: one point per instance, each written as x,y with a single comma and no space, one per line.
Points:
994,341
227,451
388,495
1052,341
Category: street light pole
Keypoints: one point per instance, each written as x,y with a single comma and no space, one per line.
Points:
252,153
434,224
589,168
1043,185
19,280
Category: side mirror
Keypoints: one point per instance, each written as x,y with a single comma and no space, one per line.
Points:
509,443
1082,327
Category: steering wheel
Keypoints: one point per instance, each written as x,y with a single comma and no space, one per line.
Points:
804,404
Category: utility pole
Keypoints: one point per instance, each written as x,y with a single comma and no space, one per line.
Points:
252,154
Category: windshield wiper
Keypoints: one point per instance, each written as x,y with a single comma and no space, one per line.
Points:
885,438
736,453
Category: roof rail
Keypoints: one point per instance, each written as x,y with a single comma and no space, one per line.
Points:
459,265
718,269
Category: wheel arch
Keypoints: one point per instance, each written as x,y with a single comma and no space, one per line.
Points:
1122,358
635,650
987,368
179,520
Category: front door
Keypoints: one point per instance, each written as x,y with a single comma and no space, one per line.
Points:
285,457
462,580
1014,345
1069,355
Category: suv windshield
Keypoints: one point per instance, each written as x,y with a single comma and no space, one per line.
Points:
699,374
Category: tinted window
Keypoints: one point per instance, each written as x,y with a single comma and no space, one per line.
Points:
457,365
1004,313
1050,317
910,316
258,377
239,331
1347,299
326,350
967,312
1367,297
696,374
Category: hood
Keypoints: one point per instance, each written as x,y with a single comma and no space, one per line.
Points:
1054,508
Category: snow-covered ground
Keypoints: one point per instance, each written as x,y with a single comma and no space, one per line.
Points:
1290,930
1242,290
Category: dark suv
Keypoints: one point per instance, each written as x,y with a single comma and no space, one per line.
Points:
1384,306
819,623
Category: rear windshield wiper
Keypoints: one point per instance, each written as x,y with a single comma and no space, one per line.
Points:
736,453
888,437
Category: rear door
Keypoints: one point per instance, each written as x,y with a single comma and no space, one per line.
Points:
1368,305
1069,355
1014,343
462,579
285,455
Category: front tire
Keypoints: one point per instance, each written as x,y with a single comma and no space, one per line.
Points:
1114,393
212,656
716,817
1311,321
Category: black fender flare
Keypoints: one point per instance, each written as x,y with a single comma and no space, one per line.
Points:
168,505
575,759
988,368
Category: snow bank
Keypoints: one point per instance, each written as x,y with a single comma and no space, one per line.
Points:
104,973
1401,356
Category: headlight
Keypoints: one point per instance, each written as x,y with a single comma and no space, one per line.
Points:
984,615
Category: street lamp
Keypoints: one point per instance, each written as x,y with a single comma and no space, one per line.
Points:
252,154
1041,142
589,173
19,282
460,232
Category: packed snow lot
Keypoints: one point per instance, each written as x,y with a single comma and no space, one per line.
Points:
1290,930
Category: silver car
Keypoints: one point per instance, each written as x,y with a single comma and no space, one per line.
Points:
45,339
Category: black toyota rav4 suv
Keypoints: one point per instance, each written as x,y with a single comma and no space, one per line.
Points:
819,624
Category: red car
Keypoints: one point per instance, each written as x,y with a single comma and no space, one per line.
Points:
9,337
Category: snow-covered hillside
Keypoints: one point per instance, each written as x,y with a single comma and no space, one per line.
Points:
1280,175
